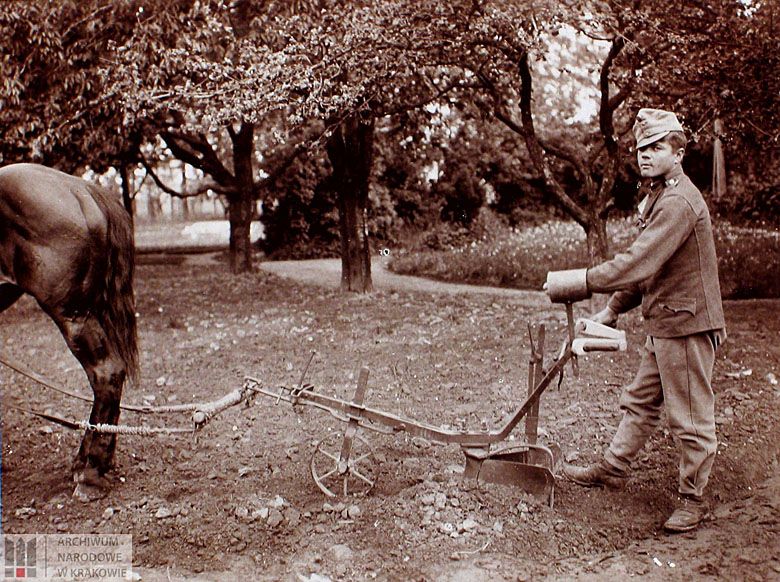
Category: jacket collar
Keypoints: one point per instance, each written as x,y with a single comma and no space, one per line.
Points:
674,176
656,187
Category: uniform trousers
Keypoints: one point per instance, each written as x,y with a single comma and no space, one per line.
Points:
674,372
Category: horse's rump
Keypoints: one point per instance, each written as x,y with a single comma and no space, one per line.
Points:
69,242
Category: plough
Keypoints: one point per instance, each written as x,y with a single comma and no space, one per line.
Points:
344,465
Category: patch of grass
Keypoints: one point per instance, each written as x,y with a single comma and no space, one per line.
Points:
749,259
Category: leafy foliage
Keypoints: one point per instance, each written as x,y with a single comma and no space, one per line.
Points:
53,106
716,61
488,94
299,213
712,59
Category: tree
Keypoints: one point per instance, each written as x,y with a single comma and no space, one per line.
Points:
307,61
53,107
498,44
318,64
350,70
193,71
624,52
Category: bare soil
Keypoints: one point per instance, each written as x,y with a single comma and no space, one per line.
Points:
237,501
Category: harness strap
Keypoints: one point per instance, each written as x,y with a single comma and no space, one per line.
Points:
19,368
105,428
72,424
202,412
142,409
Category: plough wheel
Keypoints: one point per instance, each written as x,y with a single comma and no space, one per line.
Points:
343,467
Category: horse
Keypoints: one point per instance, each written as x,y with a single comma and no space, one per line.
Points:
69,244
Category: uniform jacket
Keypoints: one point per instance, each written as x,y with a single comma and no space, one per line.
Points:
671,268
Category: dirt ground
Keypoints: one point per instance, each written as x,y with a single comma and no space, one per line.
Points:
238,502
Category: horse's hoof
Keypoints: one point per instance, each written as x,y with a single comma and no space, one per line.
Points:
90,485
87,493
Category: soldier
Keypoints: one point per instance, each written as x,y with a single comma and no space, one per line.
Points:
671,270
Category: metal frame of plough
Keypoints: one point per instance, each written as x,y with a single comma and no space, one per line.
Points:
529,465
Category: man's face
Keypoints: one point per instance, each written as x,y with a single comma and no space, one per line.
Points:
658,159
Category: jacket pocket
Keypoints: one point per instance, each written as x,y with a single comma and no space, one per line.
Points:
678,306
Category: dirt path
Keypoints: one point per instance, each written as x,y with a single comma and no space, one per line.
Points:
327,273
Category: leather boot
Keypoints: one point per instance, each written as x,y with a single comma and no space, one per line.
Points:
601,474
688,514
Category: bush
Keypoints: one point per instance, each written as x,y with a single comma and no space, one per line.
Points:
461,193
748,262
444,237
749,259
507,257
299,214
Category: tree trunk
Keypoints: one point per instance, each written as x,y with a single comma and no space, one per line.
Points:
241,205
598,241
350,151
153,206
127,188
240,217
185,202
598,252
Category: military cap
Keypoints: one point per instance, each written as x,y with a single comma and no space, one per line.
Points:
654,124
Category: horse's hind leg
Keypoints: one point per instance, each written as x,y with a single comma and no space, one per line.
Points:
106,374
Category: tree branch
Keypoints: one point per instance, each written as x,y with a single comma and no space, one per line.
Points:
607,127
606,109
548,147
202,187
535,149
618,98
425,99
197,152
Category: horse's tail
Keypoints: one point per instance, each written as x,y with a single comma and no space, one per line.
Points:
117,300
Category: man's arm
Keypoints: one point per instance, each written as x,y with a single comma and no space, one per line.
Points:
625,300
619,302
671,223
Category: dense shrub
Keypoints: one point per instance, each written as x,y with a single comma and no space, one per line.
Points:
749,259
445,236
523,202
748,262
300,216
462,195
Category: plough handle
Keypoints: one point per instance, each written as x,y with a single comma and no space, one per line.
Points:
354,417
570,325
